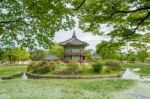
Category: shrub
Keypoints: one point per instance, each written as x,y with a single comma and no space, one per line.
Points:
113,64
97,67
40,67
40,64
72,65
42,70
32,65
53,64
107,69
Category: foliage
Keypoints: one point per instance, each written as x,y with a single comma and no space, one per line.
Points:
109,50
33,23
72,65
142,55
42,70
16,54
40,67
131,56
53,63
57,50
97,67
125,22
113,64
3,56
142,50
108,69
38,54
88,54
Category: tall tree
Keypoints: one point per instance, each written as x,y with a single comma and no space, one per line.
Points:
16,54
88,54
3,56
38,54
142,55
109,50
57,50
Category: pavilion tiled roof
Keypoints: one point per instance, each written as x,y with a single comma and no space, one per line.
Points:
74,41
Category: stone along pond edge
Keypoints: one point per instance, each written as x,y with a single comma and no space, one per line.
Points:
40,76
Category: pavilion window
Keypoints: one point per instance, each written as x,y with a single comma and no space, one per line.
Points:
67,50
75,50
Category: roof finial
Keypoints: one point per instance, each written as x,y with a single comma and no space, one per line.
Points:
74,34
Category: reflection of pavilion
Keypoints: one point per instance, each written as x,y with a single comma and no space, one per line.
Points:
73,49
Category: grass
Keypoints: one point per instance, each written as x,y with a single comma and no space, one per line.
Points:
143,66
11,70
144,71
132,65
62,89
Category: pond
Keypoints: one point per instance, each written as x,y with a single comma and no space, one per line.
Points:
130,74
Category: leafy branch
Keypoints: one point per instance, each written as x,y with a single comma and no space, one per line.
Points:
82,3
131,11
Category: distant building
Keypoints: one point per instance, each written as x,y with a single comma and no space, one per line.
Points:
50,57
73,49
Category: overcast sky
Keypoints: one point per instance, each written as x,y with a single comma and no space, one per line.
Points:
93,40
87,37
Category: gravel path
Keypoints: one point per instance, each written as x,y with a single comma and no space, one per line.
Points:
140,91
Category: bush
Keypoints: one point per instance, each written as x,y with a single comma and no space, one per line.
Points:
40,64
108,70
72,65
53,64
40,67
113,64
32,65
97,67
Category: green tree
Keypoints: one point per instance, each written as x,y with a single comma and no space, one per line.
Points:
109,50
3,56
57,50
88,54
16,54
131,56
142,50
38,54
142,55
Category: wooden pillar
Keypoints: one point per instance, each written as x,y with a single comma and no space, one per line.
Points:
80,58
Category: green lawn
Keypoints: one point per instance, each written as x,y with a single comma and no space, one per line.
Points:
11,70
62,89
144,70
